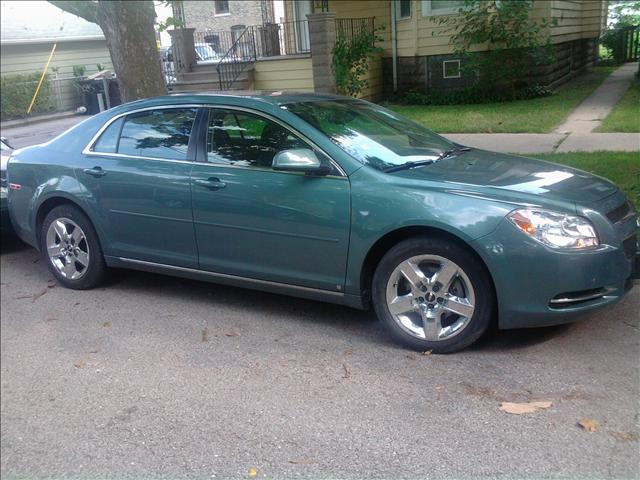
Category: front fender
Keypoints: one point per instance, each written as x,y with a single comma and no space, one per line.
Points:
385,205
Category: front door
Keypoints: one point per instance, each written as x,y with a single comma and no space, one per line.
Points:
253,221
300,10
138,175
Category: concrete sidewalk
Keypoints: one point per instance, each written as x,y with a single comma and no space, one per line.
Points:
574,134
549,142
588,116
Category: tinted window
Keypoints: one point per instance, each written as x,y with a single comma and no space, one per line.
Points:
240,138
158,133
108,141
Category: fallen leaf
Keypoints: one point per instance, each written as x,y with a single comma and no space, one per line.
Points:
305,461
232,334
78,364
589,425
347,373
520,408
205,334
106,324
253,472
348,352
626,436
427,352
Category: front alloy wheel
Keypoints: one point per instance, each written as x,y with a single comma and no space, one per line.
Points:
430,297
433,294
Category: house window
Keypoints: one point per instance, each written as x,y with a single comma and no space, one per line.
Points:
441,7
451,69
221,7
403,9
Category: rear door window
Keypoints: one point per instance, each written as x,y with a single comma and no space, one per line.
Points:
162,133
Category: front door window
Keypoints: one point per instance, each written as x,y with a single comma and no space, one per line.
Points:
244,139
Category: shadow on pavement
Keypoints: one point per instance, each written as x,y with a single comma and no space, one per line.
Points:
9,243
363,324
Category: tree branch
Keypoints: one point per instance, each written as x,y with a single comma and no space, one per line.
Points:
81,8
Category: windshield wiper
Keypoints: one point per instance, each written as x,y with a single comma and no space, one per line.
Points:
442,156
408,165
453,151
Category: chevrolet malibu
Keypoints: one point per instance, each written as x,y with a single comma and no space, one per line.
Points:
326,198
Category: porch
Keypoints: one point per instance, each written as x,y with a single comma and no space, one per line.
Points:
285,56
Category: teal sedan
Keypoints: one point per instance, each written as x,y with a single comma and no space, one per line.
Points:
327,198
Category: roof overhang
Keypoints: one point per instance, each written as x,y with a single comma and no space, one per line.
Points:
25,41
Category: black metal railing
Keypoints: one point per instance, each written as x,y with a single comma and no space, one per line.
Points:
236,59
351,27
286,38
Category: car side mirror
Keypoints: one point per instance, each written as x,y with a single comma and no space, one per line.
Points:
303,160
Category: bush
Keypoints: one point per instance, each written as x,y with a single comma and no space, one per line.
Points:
17,92
473,95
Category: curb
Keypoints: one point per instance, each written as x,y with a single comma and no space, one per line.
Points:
39,119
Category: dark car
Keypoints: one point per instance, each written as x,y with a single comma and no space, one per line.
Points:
328,198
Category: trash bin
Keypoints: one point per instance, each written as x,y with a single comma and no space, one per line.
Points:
91,88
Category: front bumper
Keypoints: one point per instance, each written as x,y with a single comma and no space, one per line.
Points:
539,286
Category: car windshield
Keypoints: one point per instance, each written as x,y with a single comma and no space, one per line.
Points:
373,135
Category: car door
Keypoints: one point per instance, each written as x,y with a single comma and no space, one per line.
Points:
138,176
253,221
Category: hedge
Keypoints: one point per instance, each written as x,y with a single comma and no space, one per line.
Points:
17,91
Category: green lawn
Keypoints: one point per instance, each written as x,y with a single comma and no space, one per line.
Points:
622,168
539,115
625,117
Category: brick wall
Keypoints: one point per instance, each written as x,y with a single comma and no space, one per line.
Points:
201,14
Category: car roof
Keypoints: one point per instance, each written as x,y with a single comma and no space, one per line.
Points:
274,98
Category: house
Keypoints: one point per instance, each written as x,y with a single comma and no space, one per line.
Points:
28,31
416,50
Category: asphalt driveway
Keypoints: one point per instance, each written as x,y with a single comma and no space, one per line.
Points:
158,377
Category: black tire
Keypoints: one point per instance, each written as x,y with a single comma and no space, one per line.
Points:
485,304
95,271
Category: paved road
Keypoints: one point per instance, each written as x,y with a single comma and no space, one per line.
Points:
32,134
161,378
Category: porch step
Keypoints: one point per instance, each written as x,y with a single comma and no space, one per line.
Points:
198,76
212,67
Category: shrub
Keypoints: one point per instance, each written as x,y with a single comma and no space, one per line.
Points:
514,41
473,95
17,92
351,57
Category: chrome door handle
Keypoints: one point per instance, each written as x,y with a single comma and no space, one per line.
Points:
95,172
212,183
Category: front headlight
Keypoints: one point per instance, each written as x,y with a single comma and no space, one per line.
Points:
555,230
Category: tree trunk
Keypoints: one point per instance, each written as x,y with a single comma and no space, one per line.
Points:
128,27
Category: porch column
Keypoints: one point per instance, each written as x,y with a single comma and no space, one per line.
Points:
322,40
184,51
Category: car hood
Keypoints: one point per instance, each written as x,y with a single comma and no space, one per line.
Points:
480,169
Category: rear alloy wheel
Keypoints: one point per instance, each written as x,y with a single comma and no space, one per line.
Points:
70,245
433,295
